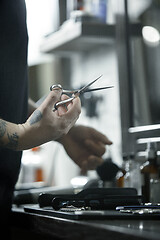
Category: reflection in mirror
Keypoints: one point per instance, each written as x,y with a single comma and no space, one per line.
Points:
145,54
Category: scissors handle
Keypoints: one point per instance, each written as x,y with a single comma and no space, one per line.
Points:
62,103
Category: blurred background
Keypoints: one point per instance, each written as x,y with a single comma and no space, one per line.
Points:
73,42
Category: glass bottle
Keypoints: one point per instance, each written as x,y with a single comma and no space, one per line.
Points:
127,166
149,170
32,166
132,178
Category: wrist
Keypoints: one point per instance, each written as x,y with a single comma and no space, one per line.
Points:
22,130
31,136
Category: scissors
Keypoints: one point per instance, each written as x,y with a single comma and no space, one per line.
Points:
76,93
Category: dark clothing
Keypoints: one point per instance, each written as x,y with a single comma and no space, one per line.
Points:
13,86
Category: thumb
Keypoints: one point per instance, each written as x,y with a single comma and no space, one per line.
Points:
53,97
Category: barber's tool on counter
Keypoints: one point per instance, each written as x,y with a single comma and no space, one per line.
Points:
76,93
94,199
140,209
95,203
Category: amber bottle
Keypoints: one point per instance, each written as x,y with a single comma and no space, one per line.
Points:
149,170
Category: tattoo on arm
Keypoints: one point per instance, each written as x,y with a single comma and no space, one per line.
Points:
2,131
11,141
36,117
2,127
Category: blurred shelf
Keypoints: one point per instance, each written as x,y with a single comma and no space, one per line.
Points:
78,37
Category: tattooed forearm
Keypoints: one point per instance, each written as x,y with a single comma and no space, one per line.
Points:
7,139
13,141
36,117
2,127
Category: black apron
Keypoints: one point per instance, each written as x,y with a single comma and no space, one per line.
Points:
13,87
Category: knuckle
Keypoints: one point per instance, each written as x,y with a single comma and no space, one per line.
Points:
79,111
56,93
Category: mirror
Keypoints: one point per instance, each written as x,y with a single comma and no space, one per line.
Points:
145,62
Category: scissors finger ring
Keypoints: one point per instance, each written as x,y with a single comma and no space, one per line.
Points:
55,86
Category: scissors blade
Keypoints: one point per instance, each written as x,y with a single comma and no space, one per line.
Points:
97,89
83,89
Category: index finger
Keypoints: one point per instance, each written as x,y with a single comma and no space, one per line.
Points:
62,109
74,108
52,98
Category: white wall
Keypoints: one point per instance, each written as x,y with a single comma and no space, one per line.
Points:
41,20
84,69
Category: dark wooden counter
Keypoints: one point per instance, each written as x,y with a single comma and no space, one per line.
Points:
29,226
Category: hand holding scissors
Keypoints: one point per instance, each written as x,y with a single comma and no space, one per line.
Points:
76,93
